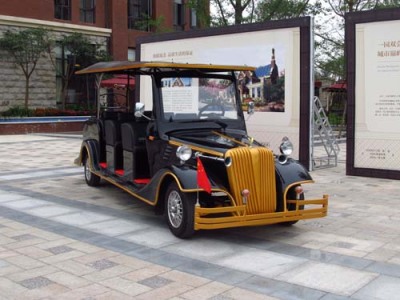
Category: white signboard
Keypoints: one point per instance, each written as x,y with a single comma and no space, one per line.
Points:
377,96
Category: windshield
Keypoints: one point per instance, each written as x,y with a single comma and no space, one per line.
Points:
190,98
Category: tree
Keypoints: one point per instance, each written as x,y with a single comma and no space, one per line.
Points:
285,9
230,12
25,49
330,60
78,51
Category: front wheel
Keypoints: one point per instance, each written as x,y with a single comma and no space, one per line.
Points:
292,206
179,211
90,178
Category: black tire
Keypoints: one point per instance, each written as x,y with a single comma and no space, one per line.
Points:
179,211
292,206
90,178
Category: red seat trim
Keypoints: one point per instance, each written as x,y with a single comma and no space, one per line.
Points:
103,165
141,180
119,172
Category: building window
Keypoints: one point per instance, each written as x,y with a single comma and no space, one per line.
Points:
179,15
131,54
139,14
193,18
62,9
88,11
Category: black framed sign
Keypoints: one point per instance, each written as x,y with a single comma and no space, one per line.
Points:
281,86
373,74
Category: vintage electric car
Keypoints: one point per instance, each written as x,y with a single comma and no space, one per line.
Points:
190,156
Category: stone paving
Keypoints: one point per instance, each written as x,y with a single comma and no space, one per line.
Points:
61,239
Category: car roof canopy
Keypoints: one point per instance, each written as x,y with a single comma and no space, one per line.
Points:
153,67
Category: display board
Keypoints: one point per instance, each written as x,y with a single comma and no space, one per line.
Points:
373,147
280,85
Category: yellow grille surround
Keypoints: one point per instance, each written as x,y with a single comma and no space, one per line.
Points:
253,169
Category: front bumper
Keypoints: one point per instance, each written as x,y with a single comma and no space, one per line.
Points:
236,216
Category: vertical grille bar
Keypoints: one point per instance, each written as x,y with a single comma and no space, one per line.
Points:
253,169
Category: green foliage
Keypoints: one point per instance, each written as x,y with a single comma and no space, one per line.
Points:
202,8
156,25
17,111
84,52
25,47
284,9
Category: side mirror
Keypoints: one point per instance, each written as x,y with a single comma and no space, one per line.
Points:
139,109
250,108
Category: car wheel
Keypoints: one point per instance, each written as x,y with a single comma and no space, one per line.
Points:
292,206
179,211
90,178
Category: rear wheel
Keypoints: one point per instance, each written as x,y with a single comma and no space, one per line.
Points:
179,211
90,178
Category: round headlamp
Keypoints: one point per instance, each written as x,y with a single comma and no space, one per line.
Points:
286,146
184,152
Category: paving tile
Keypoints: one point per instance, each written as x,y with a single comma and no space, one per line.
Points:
280,289
61,257
239,294
100,275
68,280
9,269
155,282
32,273
267,264
49,291
102,264
125,286
24,237
382,288
206,291
116,227
185,278
51,211
55,243
92,257
133,262
169,291
329,278
73,267
59,249
25,204
88,292
32,252
153,237
24,261
84,247
36,282
9,288
80,218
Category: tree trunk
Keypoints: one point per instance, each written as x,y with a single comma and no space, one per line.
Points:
26,92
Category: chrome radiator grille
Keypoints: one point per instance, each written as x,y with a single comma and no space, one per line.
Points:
253,169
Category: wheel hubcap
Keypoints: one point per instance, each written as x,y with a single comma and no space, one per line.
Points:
88,174
175,209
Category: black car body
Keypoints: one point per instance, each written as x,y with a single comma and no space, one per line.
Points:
190,156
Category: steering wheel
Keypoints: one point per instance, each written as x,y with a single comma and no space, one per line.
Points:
214,107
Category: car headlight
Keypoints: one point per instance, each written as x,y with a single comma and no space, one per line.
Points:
286,146
184,153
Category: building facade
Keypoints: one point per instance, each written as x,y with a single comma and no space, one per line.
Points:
114,24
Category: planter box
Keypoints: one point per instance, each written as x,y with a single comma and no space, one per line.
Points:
41,125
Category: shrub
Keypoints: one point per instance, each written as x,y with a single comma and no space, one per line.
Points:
44,112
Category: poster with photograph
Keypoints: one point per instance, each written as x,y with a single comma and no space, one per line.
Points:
274,86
